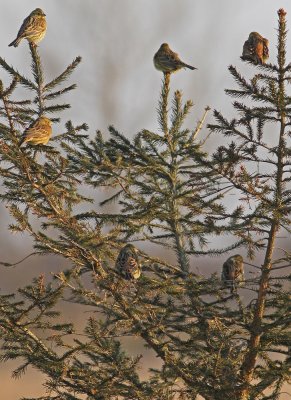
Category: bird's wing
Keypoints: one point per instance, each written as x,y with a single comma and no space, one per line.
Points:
266,48
248,48
168,58
231,264
26,25
30,25
37,130
225,271
35,133
31,127
174,57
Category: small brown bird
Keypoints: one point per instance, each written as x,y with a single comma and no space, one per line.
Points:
256,49
233,272
167,61
39,132
33,28
127,263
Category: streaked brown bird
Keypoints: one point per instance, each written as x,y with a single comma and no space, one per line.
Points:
233,272
39,132
33,28
127,263
167,61
256,49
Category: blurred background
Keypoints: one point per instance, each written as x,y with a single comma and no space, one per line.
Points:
117,84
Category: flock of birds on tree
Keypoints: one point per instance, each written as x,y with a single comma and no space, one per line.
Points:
255,50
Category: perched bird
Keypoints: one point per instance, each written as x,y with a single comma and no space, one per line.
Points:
127,262
233,272
33,28
256,49
167,61
39,132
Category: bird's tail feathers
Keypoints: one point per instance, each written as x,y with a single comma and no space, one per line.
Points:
188,66
15,42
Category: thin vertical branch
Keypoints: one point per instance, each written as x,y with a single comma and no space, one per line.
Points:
200,124
38,76
5,95
163,105
8,114
248,366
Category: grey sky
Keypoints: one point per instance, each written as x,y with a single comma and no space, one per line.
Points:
117,40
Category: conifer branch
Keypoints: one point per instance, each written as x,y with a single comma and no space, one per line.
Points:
163,105
63,76
200,125
15,74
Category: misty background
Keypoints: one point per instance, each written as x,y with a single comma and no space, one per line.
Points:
117,84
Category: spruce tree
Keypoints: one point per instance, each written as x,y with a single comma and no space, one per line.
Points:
169,193
256,162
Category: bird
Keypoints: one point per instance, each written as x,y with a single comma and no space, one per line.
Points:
127,263
33,28
256,49
39,132
233,272
168,61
